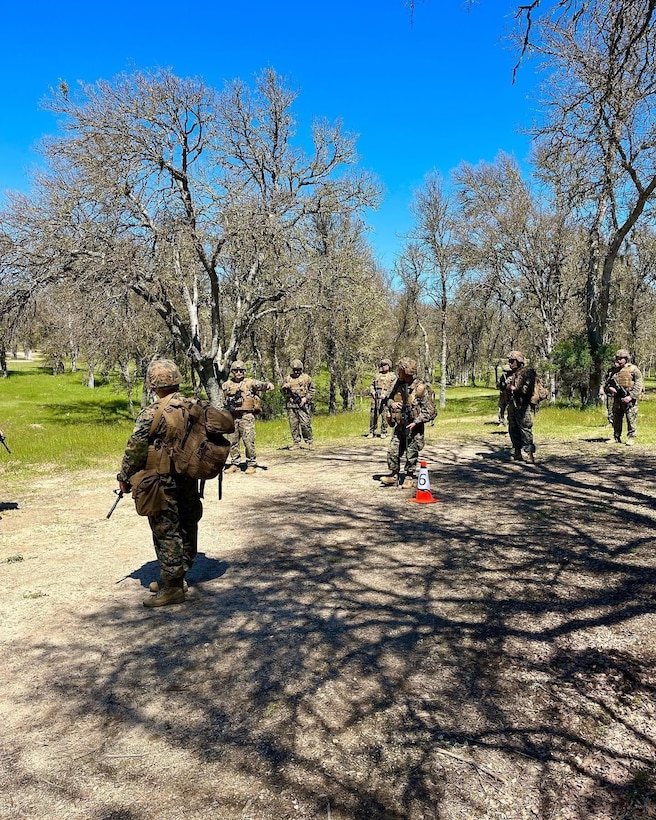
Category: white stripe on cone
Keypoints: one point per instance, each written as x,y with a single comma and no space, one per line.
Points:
423,481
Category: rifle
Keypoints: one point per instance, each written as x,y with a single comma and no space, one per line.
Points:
291,394
119,494
235,401
620,391
4,443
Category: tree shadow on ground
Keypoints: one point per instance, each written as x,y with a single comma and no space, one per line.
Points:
393,661
204,569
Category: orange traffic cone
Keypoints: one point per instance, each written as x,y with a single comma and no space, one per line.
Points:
423,495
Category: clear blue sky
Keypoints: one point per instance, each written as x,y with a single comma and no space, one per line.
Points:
422,95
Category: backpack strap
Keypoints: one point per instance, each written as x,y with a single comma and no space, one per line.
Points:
158,459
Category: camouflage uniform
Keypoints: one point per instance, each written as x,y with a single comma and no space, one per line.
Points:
299,392
175,529
628,377
418,406
381,385
242,398
519,387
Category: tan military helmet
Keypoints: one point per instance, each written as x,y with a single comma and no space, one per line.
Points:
238,365
297,364
622,353
518,355
388,362
163,373
409,366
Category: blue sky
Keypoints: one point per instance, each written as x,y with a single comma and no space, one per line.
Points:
422,95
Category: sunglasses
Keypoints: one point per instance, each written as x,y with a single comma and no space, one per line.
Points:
238,370
512,361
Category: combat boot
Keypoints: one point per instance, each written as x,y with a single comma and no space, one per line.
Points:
250,470
517,456
295,446
154,586
390,480
170,592
233,468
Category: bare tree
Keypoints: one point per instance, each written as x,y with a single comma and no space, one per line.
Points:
197,201
434,236
520,248
598,141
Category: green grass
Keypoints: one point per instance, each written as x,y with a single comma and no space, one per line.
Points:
56,423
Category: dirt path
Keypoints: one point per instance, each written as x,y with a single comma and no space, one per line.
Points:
343,653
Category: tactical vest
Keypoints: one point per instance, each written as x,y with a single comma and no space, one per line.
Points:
241,397
624,377
300,389
383,382
409,396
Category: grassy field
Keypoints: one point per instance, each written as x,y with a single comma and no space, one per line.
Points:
57,423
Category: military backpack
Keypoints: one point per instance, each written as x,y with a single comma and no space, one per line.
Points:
194,443
540,392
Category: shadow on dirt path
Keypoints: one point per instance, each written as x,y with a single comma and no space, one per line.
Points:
343,653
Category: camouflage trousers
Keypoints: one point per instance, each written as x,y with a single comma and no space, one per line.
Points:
175,529
375,414
622,411
244,430
520,427
408,443
300,424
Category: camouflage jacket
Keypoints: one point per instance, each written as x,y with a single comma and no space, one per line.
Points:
524,381
136,450
416,399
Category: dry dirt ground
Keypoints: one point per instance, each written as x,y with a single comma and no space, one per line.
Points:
343,653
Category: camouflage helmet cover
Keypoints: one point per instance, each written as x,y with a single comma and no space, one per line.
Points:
622,353
238,365
408,366
297,364
163,373
388,362
518,355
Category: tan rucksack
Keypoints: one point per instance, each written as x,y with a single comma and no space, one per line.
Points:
540,392
194,442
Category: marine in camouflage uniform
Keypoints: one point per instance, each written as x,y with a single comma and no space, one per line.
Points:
298,390
380,386
628,378
519,387
411,405
174,528
242,398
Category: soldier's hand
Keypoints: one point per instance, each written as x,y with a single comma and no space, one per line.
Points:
270,386
125,487
612,391
396,405
627,399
